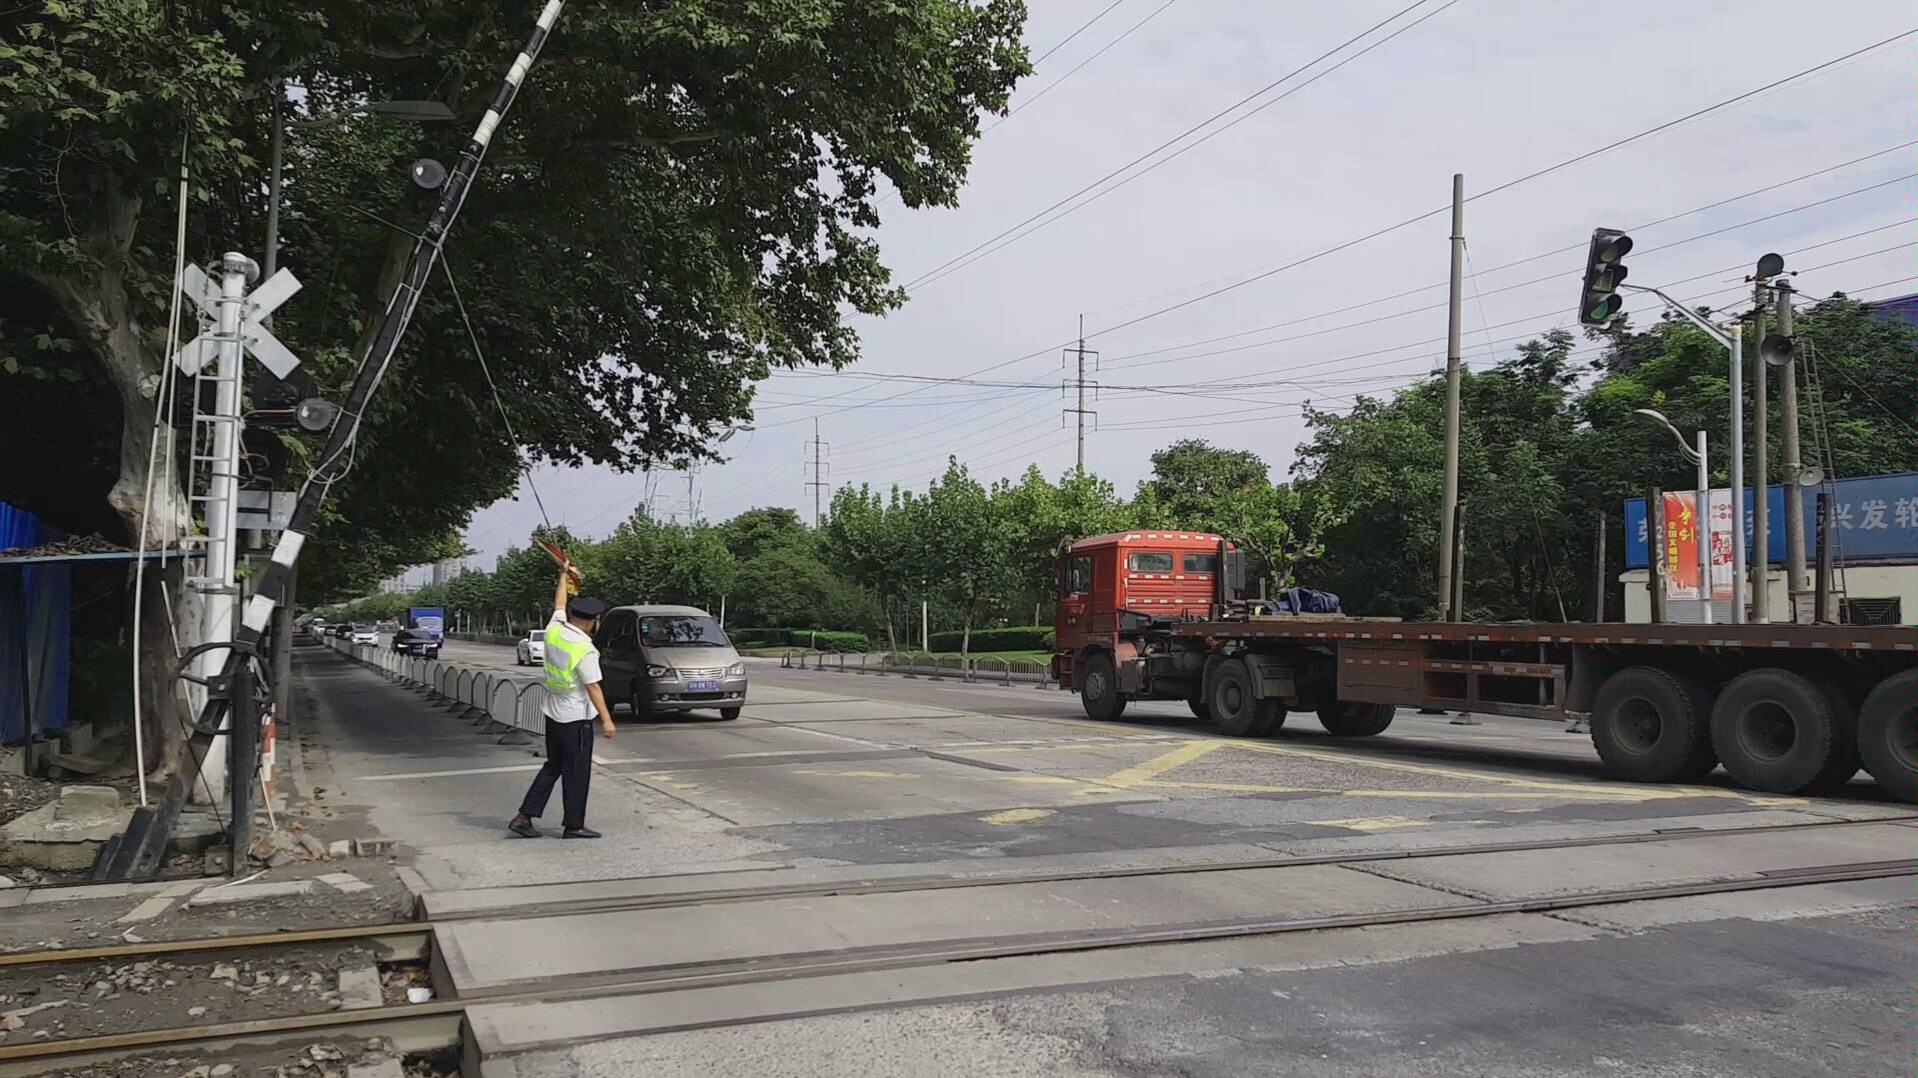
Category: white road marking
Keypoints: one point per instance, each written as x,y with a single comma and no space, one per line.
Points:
450,774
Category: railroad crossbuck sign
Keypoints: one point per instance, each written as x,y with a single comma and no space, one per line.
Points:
204,291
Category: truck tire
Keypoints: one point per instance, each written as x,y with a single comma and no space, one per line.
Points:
1888,735
1235,712
1201,710
1785,733
1099,689
1651,725
1356,720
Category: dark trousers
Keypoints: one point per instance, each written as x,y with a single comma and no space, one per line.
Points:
569,759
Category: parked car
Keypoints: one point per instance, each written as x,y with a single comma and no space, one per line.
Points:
530,650
364,634
416,642
665,659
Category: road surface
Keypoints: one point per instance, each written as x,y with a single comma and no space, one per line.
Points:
875,776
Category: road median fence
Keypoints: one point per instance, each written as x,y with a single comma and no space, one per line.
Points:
504,706
979,670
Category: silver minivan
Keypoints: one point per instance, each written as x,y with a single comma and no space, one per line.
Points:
661,659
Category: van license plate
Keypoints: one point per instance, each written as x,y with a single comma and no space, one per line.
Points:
702,686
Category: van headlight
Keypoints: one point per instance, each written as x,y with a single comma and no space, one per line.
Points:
661,673
737,669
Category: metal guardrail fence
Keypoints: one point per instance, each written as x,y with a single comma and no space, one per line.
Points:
509,707
984,670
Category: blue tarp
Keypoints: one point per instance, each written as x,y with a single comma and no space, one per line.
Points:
36,609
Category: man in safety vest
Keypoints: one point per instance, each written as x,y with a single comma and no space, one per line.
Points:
573,698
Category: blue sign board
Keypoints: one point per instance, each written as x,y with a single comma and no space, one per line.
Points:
1872,520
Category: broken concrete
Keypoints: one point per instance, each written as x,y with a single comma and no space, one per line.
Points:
250,892
65,835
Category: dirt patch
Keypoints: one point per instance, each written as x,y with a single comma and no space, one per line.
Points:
320,1059
20,795
85,999
90,922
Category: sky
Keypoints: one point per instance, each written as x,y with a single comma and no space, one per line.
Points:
1494,89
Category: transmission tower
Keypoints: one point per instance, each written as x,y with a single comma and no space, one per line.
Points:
1079,353
816,449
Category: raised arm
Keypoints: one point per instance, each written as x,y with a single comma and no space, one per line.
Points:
559,592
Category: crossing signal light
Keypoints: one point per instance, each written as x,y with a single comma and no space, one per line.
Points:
1599,301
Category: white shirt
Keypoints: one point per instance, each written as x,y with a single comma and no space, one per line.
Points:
573,706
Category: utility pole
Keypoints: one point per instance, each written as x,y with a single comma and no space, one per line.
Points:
1448,514
1080,352
1761,482
217,582
819,466
1788,439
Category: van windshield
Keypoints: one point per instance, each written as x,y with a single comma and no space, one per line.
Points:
681,631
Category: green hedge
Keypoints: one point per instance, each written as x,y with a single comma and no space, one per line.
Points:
821,639
1012,638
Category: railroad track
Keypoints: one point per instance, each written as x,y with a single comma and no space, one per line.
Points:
437,1023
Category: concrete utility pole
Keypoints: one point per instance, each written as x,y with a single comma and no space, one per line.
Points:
1761,444
1788,446
1448,514
819,466
1080,413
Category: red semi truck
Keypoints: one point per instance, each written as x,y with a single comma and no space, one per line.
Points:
1787,709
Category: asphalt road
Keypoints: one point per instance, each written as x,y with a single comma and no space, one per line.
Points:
843,772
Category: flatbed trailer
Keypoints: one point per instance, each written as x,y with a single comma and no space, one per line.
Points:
1787,709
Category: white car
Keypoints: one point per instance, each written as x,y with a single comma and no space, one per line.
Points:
530,650
365,634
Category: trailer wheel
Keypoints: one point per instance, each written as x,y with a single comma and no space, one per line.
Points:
1784,733
1650,725
1099,688
1888,735
1235,712
1356,720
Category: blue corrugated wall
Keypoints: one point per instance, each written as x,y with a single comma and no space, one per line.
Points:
36,609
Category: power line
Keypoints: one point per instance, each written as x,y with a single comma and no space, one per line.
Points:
1050,86
1235,106
1083,27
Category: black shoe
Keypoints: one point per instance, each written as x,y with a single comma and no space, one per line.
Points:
524,829
579,832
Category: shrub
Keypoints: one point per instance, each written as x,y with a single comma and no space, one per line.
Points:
820,639
1011,638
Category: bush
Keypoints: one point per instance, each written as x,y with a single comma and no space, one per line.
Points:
1012,638
820,639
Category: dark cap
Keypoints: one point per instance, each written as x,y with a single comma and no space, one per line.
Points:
586,608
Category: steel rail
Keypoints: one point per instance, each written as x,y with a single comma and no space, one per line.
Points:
655,980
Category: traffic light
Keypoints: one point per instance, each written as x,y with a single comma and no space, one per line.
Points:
1599,301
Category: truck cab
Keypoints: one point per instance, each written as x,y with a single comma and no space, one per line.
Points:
1115,590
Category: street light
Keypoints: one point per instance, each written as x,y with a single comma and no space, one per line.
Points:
1701,508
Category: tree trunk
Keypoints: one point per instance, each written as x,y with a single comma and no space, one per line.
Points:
100,307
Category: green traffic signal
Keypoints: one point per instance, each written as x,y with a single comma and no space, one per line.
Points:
1599,301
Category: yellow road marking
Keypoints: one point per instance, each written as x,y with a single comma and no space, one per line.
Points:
1140,774
1015,816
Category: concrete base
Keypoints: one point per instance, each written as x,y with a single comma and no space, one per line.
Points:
65,835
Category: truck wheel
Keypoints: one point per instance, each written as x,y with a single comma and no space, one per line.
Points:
1888,735
1784,733
1650,725
1356,720
1235,712
1099,689
1200,709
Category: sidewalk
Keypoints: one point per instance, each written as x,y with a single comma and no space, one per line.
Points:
382,758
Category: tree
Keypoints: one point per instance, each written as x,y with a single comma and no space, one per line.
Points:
867,540
1191,475
646,560
679,204
1039,517
962,542
756,531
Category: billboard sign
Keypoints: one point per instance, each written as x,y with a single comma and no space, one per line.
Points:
1874,519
